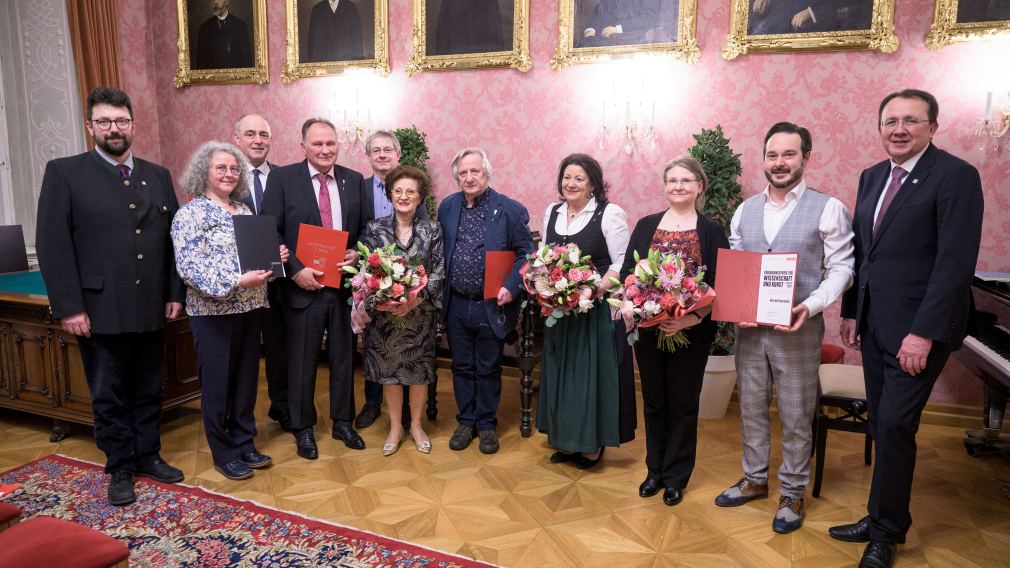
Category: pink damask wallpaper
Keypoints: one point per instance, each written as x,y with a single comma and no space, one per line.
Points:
528,121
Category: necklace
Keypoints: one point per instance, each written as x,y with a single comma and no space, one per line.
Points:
404,235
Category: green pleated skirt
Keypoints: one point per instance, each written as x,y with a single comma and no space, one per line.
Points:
578,404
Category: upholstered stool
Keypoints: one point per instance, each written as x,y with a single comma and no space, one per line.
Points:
9,515
842,387
46,542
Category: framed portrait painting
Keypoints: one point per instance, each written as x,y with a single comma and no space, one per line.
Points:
810,25
470,34
327,37
595,30
222,41
962,20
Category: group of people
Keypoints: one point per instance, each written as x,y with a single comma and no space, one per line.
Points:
119,256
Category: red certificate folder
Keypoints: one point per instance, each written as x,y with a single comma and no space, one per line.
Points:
497,267
738,281
321,248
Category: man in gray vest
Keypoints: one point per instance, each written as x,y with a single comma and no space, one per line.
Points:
787,216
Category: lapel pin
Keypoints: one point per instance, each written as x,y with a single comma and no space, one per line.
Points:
916,180
143,182
495,212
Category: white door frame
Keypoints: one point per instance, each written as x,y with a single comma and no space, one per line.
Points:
6,184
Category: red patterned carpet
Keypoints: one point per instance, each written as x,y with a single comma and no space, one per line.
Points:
179,525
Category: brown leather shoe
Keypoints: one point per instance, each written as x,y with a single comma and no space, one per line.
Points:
741,492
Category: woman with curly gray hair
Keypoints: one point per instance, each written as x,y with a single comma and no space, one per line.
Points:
223,304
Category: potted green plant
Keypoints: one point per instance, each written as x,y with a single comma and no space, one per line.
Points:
414,152
724,195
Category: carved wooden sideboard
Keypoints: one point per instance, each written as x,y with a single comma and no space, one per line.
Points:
40,364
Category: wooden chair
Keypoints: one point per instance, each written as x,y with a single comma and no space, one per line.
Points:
842,387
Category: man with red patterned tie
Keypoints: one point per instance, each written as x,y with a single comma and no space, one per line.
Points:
318,192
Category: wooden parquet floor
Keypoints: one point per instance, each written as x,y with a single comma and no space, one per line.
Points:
515,508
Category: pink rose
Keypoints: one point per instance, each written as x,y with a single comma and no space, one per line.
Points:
397,290
374,260
587,274
629,281
373,283
561,250
574,274
557,274
688,284
633,291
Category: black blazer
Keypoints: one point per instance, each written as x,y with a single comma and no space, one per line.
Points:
712,237
334,36
919,267
104,247
247,197
291,199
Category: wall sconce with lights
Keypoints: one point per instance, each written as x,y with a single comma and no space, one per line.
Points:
993,128
633,134
351,131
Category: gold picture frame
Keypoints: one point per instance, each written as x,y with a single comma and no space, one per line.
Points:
207,56
301,60
660,35
457,56
844,25
946,28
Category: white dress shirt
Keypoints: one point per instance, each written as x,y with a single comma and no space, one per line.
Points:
908,166
614,225
333,5
331,185
264,169
835,227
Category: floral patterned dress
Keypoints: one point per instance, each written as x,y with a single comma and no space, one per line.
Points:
404,353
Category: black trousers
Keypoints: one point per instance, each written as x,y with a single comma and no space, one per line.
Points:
671,385
275,350
227,354
329,312
895,401
126,375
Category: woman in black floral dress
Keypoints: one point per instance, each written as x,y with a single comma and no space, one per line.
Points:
400,343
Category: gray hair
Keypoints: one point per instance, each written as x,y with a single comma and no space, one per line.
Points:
382,134
194,177
485,163
238,123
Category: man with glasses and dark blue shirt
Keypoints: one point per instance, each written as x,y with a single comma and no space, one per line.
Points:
106,257
475,220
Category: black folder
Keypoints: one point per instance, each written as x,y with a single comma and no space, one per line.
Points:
258,244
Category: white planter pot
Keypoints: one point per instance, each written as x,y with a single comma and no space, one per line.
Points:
717,389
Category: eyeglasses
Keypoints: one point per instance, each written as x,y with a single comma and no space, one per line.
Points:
105,124
893,123
222,169
397,192
385,150
680,182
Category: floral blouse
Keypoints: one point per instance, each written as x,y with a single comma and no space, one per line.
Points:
206,258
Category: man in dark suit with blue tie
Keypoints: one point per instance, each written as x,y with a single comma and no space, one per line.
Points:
318,192
107,260
252,136
475,220
918,226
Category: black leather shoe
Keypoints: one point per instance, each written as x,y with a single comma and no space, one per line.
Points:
306,443
582,462
282,417
255,459
157,469
562,457
649,487
672,496
878,554
347,434
121,488
858,531
369,413
488,441
235,470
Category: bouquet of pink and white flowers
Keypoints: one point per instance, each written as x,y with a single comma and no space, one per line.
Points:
382,280
660,288
561,280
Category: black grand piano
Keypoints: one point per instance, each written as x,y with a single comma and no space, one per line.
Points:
986,353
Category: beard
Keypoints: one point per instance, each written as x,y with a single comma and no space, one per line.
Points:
121,141
782,185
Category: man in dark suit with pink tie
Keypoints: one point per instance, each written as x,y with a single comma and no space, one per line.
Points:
318,192
918,226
